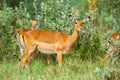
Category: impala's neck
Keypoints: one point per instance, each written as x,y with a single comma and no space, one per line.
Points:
73,36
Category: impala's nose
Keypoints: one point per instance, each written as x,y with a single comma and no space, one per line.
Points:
80,30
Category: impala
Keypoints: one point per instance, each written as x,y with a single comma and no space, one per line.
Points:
22,46
49,42
112,48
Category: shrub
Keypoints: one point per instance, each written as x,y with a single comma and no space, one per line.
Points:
6,23
89,43
51,15
9,21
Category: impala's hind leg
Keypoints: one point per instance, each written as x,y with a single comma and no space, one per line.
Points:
110,53
42,57
26,55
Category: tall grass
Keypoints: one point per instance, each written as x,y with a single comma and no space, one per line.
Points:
73,68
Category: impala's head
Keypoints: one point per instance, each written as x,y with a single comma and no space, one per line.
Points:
79,22
33,24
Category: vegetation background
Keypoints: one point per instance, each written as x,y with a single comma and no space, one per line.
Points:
83,62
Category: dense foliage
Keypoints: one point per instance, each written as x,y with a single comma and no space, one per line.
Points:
10,19
109,23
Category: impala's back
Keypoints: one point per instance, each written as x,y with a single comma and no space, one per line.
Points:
47,36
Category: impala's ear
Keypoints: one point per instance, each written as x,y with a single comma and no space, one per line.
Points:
86,20
71,18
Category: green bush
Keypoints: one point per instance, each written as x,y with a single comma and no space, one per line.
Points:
51,15
11,19
109,14
109,22
88,44
6,24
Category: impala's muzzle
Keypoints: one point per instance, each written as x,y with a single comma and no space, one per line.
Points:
80,30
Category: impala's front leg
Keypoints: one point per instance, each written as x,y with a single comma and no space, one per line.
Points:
59,56
33,54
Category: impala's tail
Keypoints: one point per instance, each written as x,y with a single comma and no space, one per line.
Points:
21,43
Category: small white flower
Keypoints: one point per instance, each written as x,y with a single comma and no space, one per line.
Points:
97,69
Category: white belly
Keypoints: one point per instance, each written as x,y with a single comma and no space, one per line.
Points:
49,48
47,52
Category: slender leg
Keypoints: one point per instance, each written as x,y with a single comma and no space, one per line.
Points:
32,56
42,57
26,55
48,59
110,50
59,55
105,57
24,58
